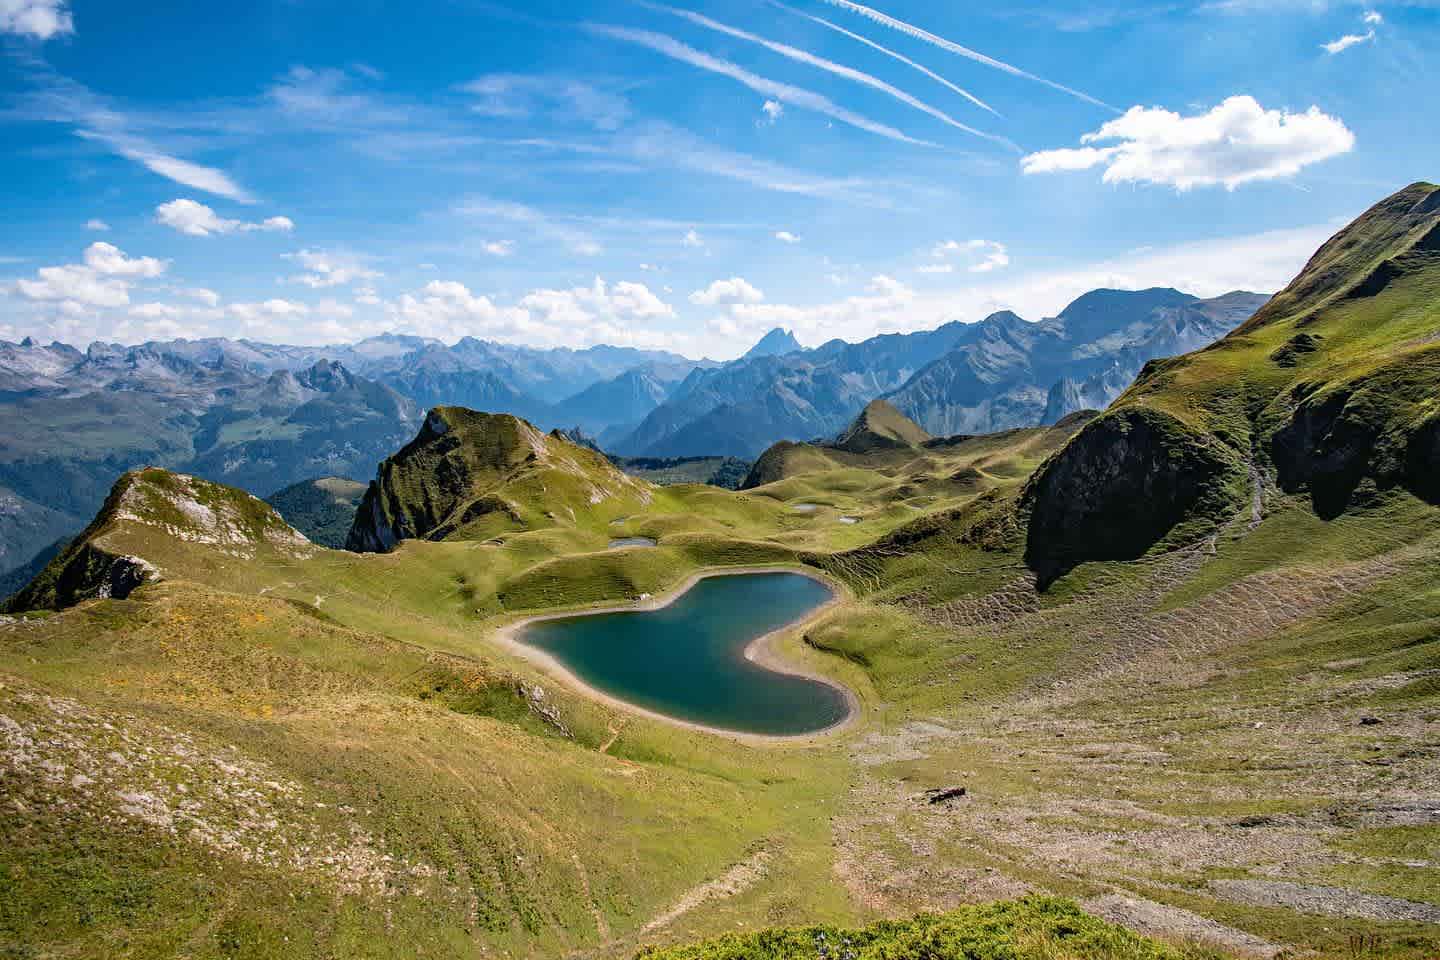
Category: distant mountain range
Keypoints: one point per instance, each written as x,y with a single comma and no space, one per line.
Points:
266,416
1000,373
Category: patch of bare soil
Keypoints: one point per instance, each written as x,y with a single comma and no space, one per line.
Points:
1172,923
733,881
1324,901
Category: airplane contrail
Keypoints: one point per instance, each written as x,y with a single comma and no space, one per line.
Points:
830,66
910,30
889,53
783,92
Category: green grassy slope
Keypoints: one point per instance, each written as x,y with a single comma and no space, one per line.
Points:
1330,390
470,475
322,509
1228,744
879,426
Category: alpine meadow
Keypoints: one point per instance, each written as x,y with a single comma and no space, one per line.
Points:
741,481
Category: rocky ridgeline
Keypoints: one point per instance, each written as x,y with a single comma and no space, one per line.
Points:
468,471
97,564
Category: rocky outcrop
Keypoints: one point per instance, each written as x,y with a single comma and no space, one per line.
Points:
1329,388
1120,485
470,473
99,564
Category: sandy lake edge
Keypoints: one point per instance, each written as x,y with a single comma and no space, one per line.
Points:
760,650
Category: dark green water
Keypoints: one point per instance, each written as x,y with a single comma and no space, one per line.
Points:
687,660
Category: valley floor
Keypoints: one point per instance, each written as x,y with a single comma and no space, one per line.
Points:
1232,745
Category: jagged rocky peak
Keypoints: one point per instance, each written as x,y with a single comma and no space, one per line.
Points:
326,376
105,561
776,343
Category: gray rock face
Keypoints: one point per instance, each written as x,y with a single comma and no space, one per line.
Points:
1120,485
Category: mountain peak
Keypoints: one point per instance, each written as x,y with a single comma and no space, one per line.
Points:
473,475
1396,236
145,504
327,376
776,343
881,426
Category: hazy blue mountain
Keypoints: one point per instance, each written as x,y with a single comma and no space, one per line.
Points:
776,343
999,373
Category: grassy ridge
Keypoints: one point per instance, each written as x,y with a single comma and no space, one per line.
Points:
1031,929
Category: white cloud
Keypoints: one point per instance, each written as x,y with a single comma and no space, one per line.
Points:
205,296
182,172
499,248
882,308
986,256
97,226
993,257
195,219
104,279
734,290
598,313
274,307
773,110
1373,18
936,268
1235,143
334,309
1346,42
692,239
99,120
329,268
110,260
41,19
785,236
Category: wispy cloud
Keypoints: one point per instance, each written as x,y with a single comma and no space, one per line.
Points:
1346,42
783,92
535,221
830,66
890,53
97,120
951,46
513,95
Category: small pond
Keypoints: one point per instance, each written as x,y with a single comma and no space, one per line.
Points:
687,660
623,542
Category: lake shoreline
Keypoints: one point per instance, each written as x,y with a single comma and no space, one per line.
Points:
760,651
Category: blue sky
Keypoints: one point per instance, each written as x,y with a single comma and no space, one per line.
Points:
687,176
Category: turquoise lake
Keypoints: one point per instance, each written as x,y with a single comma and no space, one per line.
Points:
687,660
